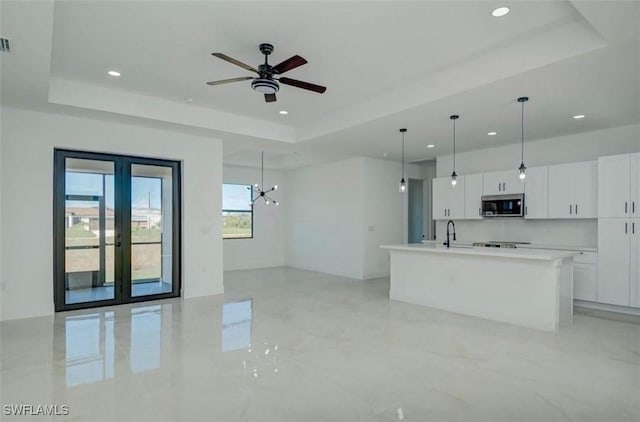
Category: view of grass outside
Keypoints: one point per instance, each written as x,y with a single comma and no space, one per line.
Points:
236,225
237,212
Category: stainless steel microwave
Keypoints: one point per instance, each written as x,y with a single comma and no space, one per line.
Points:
503,205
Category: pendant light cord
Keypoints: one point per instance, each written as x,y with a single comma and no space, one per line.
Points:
262,185
454,145
522,132
402,155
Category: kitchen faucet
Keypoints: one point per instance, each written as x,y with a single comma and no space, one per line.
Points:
448,242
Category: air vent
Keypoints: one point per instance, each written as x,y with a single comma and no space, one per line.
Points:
5,47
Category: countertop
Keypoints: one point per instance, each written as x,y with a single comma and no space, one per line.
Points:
459,249
529,246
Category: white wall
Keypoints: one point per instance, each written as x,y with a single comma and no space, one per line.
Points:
385,212
27,141
266,249
324,209
339,214
564,149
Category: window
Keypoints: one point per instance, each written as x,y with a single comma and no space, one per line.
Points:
237,212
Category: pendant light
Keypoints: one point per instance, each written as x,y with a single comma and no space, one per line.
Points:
454,176
522,169
403,182
257,190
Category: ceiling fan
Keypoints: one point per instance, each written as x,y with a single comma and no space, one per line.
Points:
265,82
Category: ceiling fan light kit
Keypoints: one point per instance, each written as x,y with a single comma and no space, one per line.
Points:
266,83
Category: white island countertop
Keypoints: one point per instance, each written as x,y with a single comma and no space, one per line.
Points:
516,253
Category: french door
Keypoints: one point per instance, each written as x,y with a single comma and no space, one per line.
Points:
116,229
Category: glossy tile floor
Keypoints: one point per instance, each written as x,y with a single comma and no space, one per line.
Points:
106,292
287,345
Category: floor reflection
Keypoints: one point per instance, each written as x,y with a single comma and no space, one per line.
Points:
146,338
89,348
236,325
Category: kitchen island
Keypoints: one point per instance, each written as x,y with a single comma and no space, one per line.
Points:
527,287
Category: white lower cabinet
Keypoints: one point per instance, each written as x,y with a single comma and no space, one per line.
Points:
614,260
585,274
635,263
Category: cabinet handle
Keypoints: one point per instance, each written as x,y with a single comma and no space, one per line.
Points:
633,207
576,209
504,186
525,210
625,228
480,211
633,228
570,209
625,206
499,187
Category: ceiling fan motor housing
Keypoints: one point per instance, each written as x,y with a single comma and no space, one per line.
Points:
265,86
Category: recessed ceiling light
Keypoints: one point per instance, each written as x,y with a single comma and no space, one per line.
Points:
430,146
492,133
500,11
114,73
284,112
579,116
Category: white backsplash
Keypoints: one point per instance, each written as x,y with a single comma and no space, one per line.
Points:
582,233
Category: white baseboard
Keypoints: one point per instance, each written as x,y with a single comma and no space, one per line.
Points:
606,307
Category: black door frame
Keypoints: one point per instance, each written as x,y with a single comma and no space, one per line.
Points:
122,227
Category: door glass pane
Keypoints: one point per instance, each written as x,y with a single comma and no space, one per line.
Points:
151,231
89,223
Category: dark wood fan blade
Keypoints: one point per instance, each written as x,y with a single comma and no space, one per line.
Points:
304,85
234,61
226,81
270,98
290,63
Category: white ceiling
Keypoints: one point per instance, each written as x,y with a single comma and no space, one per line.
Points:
386,65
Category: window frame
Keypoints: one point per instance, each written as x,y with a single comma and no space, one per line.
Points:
238,211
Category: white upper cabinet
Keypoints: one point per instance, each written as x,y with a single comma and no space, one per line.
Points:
536,196
473,197
614,186
502,182
573,191
560,191
448,200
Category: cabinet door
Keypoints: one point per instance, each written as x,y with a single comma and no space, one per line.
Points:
613,186
536,197
511,182
472,197
584,282
492,183
456,198
440,201
634,184
635,263
584,189
559,191
613,260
